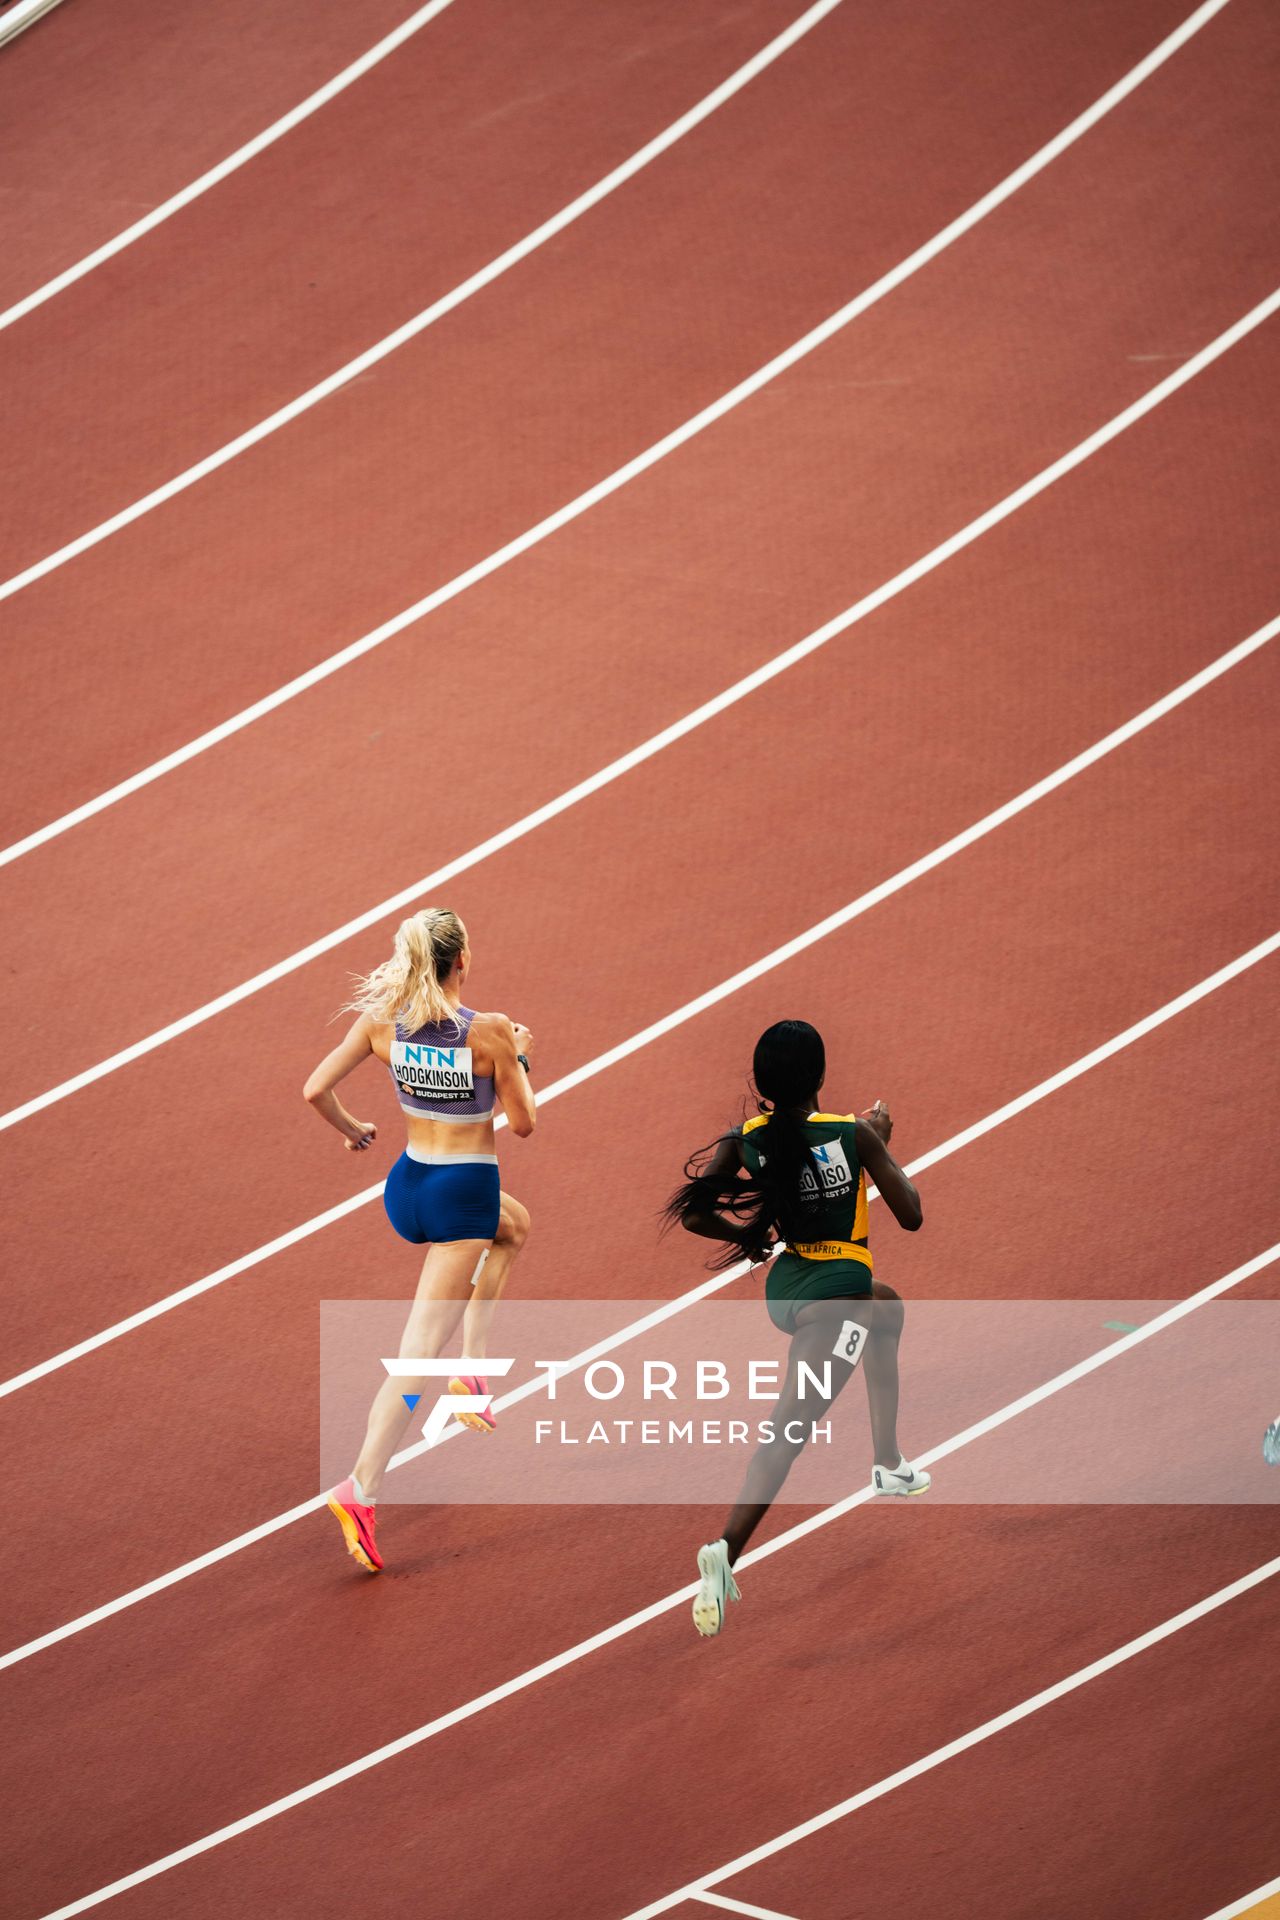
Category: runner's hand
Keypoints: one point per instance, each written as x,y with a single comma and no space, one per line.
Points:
524,1041
878,1117
762,1250
368,1133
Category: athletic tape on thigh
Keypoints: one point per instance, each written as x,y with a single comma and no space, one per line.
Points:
480,1265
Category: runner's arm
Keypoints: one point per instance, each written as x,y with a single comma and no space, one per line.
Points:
897,1192
509,1077
319,1090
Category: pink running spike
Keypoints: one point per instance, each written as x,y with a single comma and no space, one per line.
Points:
480,1421
357,1523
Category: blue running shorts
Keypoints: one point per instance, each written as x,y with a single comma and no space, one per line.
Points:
453,1197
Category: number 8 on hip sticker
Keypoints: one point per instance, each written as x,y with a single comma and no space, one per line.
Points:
849,1342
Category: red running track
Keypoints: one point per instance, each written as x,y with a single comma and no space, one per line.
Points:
109,111
484,123
649,1762
517,402
623,659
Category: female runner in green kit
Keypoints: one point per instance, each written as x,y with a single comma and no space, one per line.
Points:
802,1174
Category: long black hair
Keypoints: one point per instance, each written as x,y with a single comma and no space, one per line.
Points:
788,1067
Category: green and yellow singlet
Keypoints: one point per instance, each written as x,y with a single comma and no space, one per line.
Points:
833,1262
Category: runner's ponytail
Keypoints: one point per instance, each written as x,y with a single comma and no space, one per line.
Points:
788,1068
409,988
737,1195
785,1158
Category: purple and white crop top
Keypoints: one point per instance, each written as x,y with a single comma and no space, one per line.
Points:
434,1073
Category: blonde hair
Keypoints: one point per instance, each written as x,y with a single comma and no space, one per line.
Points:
409,987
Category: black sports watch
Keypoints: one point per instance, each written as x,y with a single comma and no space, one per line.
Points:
523,1058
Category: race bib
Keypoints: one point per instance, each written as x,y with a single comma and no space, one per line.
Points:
438,1074
835,1175
849,1342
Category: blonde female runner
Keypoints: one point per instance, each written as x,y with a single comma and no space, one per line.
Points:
449,1065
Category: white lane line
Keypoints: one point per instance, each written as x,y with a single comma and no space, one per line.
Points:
238,159
546,1668
281,1243
737,1906
746,976
689,723
1058,1691
633,468
663,1311
1250,1901
381,349
24,15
